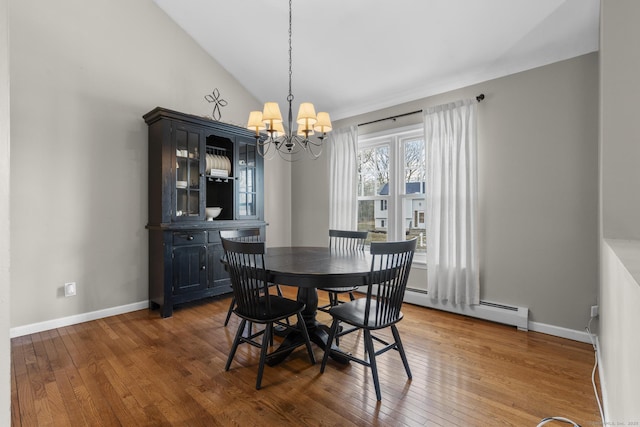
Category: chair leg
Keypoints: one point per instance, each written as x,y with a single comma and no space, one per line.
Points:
327,350
396,336
307,340
234,346
368,342
271,337
233,304
263,353
351,296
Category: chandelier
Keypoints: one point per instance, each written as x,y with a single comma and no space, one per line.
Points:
286,143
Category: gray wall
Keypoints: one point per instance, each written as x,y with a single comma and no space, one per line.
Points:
538,184
82,76
5,359
620,95
620,204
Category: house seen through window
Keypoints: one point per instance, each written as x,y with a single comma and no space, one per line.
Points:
391,183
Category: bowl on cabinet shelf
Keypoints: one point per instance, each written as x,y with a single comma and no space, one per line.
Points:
212,212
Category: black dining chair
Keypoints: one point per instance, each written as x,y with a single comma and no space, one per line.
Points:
388,277
254,303
243,235
343,241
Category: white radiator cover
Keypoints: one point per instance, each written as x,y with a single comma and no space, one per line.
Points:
509,315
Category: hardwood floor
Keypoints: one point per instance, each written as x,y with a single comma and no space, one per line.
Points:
137,369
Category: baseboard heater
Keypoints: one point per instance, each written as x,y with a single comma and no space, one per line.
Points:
501,313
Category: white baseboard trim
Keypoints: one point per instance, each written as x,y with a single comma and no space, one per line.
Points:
559,331
75,319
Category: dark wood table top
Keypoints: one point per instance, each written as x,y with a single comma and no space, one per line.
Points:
313,267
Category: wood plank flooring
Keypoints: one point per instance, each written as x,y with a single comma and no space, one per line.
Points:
137,369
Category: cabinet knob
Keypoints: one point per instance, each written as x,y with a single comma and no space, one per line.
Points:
204,267
190,238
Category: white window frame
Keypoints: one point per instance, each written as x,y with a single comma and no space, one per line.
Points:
397,197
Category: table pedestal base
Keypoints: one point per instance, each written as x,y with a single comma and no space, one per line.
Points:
318,332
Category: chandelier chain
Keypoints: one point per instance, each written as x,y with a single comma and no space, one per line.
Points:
290,97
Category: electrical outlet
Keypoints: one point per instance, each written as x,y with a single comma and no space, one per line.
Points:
70,289
594,311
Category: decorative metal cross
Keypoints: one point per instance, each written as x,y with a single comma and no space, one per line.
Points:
217,103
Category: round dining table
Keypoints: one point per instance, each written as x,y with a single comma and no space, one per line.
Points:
309,268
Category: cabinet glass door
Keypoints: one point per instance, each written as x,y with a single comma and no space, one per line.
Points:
188,200
247,185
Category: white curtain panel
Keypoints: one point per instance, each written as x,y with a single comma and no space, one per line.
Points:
452,202
343,179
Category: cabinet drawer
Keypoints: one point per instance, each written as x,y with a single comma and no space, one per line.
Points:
189,237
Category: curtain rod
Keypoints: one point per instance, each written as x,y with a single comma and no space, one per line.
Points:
478,98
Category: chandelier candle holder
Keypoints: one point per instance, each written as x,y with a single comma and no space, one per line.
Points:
285,142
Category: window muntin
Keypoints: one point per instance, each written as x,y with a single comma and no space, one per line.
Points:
391,186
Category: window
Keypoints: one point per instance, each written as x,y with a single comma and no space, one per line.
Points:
391,183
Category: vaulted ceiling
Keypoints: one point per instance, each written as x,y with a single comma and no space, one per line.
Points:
355,56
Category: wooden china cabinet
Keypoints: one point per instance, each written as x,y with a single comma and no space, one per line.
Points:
196,163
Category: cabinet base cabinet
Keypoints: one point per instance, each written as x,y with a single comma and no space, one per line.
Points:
185,266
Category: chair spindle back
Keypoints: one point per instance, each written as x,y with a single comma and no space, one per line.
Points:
390,268
245,261
346,241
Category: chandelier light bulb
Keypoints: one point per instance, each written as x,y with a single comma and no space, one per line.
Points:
306,114
255,122
323,125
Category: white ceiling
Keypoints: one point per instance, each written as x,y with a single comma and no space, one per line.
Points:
355,56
